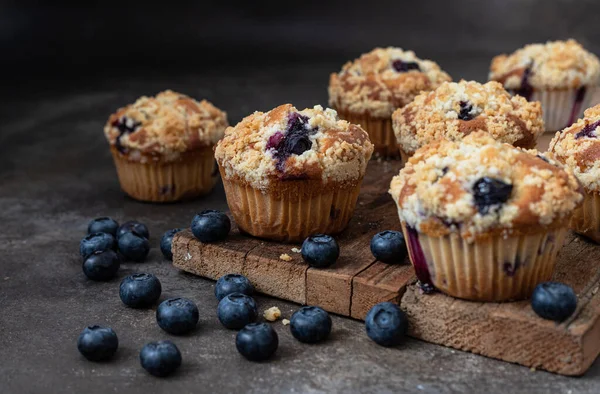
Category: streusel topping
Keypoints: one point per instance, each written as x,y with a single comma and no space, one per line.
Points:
382,80
168,124
553,65
455,110
479,186
288,144
578,147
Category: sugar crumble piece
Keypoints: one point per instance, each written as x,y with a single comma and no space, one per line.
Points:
296,250
285,257
272,314
285,322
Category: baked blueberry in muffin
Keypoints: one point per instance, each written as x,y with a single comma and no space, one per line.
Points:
286,171
367,90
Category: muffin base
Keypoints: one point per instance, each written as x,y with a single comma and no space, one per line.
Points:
586,219
380,132
191,175
563,107
495,268
291,210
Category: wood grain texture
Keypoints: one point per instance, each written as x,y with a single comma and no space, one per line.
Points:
507,331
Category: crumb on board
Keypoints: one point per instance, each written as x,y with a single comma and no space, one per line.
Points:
285,322
285,257
296,250
272,314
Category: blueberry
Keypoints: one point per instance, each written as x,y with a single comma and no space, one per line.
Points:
310,324
165,243
295,140
134,246
211,226
160,358
103,225
233,283
553,301
526,90
125,125
96,242
140,290
257,341
386,324
320,250
133,225
236,310
177,316
588,130
389,247
97,343
102,265
402,66
466,111
490,192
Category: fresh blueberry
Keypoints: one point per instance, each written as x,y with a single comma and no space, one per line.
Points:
402,66
257,341
211,226
389,247
320,250
134,246
103,225
97,343
588,130
490,192
236,310
177,316
96,242
166,241
233,283
386,324
553,301
160,358
140,290
102,265
133,225
310,324
466,111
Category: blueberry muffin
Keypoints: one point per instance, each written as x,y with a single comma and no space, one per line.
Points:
289,173
163,146
560,74
578,147
483,220
455,110
367,91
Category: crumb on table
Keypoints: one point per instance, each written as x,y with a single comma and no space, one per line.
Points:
296,250
285,322
272,314
285,257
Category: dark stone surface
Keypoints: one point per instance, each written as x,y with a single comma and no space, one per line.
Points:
56,174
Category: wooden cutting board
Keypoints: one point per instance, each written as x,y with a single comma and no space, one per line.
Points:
507,331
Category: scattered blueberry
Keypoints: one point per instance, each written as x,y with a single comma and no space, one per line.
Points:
389,247
466,111
133,225
96,242
402,66
257,341
320,250
588,130
102,265
553,301
310,324
97,343
165,243
489,192
386,324
103,225
295,140
134,246
236,310
233,283
160,358
177,316
211,226
140,290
